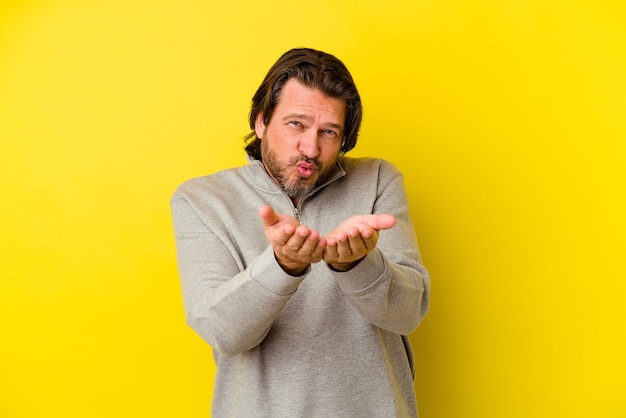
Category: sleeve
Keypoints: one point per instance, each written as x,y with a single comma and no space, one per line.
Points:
390,286
230,307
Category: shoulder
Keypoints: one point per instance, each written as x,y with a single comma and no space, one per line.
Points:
224,181
365,166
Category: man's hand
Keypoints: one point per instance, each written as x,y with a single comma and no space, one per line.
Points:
353,239
295,245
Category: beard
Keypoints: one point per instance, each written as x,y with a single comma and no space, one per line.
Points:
295,186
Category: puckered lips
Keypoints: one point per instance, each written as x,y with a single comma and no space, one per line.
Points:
305,169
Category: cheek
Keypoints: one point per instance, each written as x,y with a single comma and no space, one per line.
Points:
330,153
278,139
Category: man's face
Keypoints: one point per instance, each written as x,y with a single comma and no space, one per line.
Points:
300,144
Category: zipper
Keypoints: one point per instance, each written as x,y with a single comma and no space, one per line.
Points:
296,210
297,213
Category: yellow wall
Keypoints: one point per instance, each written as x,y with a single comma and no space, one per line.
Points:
508,118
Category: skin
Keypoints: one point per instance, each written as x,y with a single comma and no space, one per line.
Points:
300,145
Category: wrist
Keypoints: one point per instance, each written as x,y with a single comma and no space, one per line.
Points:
292,269
343,267
296,271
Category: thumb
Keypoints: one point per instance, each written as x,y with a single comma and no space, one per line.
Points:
379,222
268,216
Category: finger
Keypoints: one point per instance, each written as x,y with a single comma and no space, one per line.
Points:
310,243
268,216
281,236
313,247
366,233
330,250
305,246
344,253
357,246
370,241
318,253
298,237
338,236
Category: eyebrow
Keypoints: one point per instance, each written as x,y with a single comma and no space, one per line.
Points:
306,117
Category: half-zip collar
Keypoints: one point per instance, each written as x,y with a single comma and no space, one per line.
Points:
261,179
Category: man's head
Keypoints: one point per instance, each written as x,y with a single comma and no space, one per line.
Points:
316,70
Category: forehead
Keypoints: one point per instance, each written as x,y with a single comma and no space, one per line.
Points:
296,97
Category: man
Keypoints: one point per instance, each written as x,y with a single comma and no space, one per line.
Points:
301,269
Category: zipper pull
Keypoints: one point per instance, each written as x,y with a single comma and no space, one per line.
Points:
296,212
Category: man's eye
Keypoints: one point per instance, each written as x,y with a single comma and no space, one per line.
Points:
295,123
328,132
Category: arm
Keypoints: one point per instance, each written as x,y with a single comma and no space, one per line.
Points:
381,272
230,305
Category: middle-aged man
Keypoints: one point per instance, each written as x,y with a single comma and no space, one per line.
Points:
301,269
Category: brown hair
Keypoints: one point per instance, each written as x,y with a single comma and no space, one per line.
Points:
315,69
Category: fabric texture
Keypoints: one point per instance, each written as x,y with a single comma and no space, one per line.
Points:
324,344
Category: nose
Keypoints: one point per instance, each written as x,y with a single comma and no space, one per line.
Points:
309,144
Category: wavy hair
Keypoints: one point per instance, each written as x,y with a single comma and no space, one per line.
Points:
316,70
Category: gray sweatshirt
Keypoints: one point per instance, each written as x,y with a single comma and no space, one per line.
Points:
324,344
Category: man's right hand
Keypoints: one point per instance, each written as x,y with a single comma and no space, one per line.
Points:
295,245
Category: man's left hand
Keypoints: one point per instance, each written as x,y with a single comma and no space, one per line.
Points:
353,239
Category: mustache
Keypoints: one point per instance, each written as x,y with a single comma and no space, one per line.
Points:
305,159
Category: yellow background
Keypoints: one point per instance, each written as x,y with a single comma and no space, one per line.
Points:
507,117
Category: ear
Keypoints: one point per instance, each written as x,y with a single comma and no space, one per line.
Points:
259,126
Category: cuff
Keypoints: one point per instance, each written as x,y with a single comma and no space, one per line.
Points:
266,271
363,275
